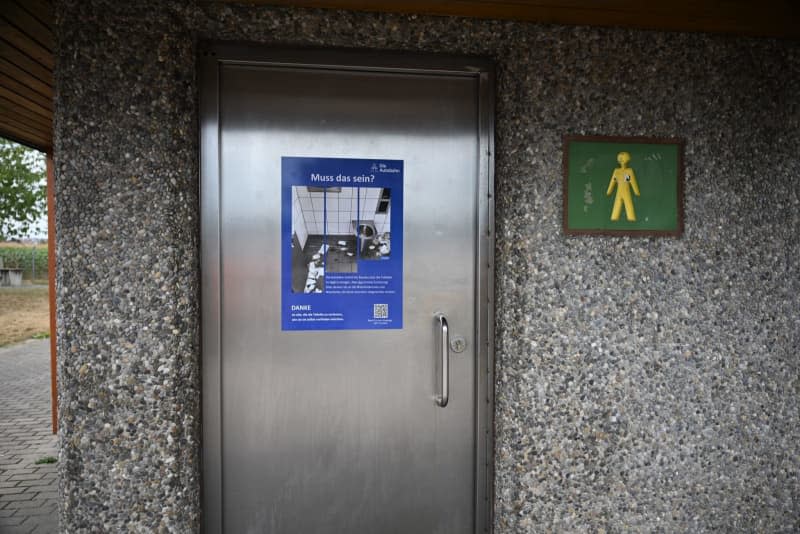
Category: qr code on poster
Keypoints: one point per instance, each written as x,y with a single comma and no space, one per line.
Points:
380,311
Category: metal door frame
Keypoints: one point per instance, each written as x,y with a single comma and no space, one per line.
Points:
212,57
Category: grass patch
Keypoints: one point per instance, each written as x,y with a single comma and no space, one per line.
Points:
46,460
24,313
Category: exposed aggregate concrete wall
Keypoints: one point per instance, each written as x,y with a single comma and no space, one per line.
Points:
642,384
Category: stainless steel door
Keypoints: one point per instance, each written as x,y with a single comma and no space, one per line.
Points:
340,431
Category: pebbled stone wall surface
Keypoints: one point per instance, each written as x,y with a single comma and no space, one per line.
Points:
648,385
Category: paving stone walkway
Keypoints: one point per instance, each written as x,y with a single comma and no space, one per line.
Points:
28,491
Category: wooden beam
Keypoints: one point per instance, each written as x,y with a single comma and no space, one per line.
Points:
26,63
24,126
22,141
12,110
23,133
17,130
42,10
51,281
19,17
26,103
9,70
25,44
26,92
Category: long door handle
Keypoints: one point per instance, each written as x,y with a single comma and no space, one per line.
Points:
444,397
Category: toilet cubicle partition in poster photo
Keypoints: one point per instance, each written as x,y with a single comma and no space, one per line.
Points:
342,240
623,186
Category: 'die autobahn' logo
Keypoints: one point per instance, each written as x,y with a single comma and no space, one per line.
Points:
382,167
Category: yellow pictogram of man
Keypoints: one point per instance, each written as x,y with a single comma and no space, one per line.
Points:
625,179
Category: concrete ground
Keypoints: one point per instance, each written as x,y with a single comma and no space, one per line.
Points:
28,491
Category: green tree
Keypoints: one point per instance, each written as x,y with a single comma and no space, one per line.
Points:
22,189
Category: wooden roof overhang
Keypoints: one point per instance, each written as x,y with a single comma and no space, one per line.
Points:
27,41
26,72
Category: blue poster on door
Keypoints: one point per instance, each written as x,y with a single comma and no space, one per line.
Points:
342,241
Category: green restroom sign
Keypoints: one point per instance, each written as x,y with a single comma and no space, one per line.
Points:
623,186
